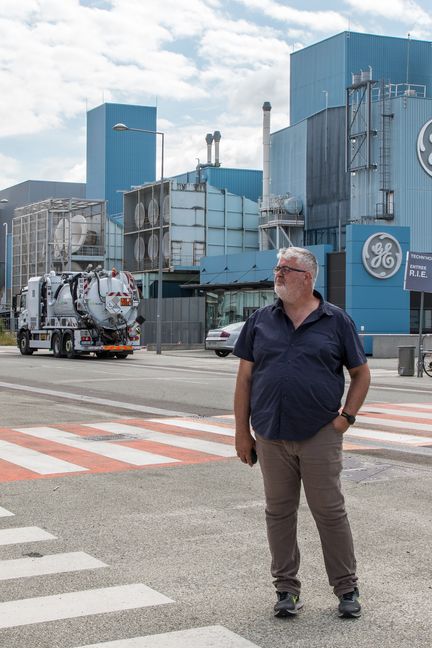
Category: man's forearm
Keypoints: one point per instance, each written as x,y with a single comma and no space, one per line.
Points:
242,405
358,389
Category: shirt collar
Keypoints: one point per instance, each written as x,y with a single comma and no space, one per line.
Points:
322,308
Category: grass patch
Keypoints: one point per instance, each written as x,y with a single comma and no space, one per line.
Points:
6,338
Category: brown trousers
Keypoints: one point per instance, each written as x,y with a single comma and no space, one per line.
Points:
317,462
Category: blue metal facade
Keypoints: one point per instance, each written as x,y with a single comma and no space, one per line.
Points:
118,160
411,185
376,305
254,267
320,73
288,151
241,182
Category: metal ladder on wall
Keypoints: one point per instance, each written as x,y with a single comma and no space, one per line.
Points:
384,209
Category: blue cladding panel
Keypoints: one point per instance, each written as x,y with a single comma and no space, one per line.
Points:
379,305
388,58
412,186
328,65
118,160
238,268
315,70
241,182
288,161
320,252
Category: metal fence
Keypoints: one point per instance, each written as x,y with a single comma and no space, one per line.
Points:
183,320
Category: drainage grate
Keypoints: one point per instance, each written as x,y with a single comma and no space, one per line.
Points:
112,437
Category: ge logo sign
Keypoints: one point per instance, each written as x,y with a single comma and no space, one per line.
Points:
424,147
382,255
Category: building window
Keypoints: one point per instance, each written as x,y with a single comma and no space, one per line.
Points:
389,205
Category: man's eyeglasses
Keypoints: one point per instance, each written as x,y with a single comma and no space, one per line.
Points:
285,270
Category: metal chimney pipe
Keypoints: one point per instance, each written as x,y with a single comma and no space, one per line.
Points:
217,138
266,156
209,140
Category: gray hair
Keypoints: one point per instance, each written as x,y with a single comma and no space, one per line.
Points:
307,259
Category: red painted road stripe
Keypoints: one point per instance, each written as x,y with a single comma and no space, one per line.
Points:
93,463
402,407
398,417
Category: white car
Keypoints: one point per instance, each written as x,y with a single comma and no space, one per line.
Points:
222,340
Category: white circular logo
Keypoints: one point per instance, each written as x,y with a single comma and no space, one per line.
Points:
424,147
382,255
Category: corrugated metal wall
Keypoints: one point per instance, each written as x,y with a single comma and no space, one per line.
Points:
183,320
327,67
242,182
118,160
328,186
316,70
288,161
412,185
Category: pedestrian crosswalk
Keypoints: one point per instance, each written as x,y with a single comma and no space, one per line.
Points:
90,602
207,637
131,444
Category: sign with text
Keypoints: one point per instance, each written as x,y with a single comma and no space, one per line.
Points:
418,272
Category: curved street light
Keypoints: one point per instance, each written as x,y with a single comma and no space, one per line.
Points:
3,202
123,127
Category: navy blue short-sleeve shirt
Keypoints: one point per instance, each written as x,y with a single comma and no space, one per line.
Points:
297,377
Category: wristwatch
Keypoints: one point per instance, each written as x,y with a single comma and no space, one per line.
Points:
349,417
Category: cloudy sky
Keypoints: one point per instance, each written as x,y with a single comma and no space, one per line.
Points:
207,65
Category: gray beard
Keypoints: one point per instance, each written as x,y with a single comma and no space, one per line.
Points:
281,291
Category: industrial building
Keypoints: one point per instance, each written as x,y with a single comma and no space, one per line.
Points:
116,163
355,164
113,165
56,234
25,193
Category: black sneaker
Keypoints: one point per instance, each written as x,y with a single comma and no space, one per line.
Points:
349,604
287,604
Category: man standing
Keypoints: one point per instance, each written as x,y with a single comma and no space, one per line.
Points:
289,388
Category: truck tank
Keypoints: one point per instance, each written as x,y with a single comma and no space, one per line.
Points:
110,298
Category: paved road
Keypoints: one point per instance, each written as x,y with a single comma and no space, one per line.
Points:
125,515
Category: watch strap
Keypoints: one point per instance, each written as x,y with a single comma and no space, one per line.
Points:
349,417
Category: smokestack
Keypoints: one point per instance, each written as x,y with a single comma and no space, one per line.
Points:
266,156
217,138
209,140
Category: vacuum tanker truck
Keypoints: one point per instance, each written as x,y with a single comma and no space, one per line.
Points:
75,313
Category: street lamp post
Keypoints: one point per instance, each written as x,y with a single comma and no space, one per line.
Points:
123,127
3,202
5,262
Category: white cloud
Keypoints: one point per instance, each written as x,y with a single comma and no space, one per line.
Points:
318,21
9,171
211,64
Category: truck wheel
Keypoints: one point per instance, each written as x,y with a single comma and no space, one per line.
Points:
103,354
68,346
121,355
222,354
24,343
56,345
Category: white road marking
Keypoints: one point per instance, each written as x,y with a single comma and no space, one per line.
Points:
113,451
406,439
427,406
52,564
95,401
4,512
394,423
412,412
38,462
196,425
78,604
210,447
207,637
19,535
